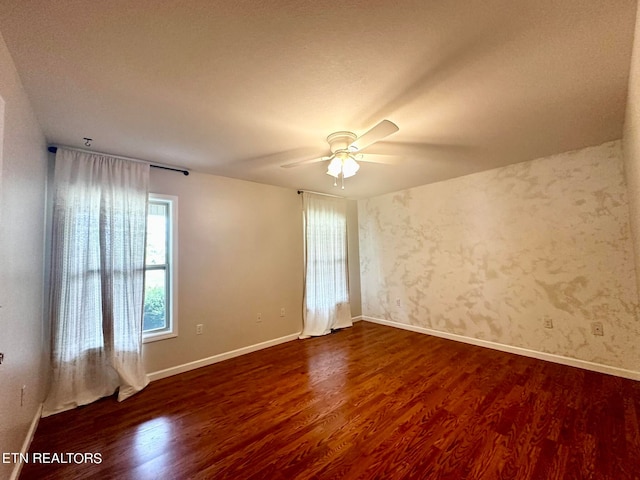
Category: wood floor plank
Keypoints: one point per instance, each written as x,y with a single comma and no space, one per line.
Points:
365,402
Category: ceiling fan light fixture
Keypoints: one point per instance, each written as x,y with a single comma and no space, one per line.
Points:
343,165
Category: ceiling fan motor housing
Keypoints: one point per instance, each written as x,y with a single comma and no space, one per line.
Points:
340,141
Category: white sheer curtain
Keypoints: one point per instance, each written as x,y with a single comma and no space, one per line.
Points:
97,279
326,291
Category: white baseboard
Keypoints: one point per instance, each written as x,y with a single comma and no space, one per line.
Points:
185,367
17,468
572,362
356,319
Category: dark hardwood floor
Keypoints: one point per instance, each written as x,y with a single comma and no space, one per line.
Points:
366,402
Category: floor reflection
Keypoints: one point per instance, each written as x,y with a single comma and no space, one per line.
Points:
152,438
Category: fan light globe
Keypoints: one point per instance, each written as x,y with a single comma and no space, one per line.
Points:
335,167
349,167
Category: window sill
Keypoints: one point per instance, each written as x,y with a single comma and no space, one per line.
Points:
155,337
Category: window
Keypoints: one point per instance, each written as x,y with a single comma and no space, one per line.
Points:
160,319
327,257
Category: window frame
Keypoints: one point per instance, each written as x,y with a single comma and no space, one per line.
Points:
172,267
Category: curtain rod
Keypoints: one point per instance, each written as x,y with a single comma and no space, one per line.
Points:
318,193
54,149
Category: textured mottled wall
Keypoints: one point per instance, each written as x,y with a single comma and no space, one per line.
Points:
491,255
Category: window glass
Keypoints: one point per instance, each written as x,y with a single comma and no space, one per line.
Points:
157,229
155,300
159,319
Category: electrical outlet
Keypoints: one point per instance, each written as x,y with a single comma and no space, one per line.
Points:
199,329
397,302
548,322
282,312
259,318
597,329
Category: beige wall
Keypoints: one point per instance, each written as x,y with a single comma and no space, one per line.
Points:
631,143
240,254
489,256
354,258
22,200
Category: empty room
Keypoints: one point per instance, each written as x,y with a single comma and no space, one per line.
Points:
315,239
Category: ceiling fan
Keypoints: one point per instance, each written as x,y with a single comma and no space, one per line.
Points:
346,151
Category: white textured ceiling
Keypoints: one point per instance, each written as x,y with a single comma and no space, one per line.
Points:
238,88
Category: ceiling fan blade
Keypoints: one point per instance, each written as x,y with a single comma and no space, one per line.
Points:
306,162
380,158
415,150
380,131
278,158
